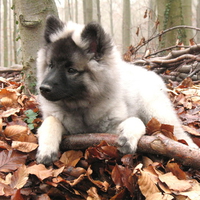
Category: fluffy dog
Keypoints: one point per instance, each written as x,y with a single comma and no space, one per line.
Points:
84,87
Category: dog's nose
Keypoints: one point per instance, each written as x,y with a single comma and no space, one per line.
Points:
45,88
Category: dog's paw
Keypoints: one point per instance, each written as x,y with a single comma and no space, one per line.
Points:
130,132
127,145
46,157
47,160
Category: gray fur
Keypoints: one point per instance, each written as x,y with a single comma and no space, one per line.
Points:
96,91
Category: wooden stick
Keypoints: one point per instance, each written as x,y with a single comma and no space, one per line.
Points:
158,144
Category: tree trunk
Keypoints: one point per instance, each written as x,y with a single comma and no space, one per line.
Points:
70,10
111,17
126,25
76,11
173,13
5,33
10,21
14,37
0,35
187,19
198,21
160,12
31,15
88,11
98,12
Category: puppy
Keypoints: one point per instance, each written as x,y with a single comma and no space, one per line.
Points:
85,87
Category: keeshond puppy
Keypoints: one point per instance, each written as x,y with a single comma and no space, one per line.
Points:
85,87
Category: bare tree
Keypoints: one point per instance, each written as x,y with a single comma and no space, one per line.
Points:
174,13
0,33
198,20
31,15
126,24
88,11
187,18
111,17
98,11
76,11
5,33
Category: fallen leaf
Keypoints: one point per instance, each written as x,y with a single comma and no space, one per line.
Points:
146,184
14,131
92,194
19,177
43,197
24,146
176,170
71,158
102,185
122,176
174,183
40,171
17,196
11,160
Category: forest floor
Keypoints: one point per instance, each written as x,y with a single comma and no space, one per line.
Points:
98,172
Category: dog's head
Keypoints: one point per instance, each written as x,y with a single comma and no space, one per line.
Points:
74,64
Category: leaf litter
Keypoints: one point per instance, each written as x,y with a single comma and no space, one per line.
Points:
99,172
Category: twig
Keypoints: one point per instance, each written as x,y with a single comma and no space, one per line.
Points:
163,32
166,49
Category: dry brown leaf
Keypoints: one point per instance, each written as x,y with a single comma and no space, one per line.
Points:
174,183
146,183
6,102
92,194
103,151
1,125
24,146
40,171
19,177
71,158
74,171
176,170
160,196
190,130
19,132
153,126
9,112
102,185
122,176
17,195
4,145
119,195
13,131
194,192
43,197
11,160
7,179
56,172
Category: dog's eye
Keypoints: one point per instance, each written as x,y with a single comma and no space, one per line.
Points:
50,65
72,71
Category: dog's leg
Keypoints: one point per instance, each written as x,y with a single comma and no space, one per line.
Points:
130,131
49,136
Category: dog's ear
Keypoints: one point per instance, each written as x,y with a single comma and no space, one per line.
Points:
96,40
53,25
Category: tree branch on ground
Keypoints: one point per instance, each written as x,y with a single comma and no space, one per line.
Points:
157,144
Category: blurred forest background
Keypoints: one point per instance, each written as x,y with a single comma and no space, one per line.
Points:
130,22
126,20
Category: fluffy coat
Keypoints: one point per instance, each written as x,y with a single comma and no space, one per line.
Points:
85,87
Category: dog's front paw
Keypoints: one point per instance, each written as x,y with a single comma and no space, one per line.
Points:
127,145
46,157
47,160
130,132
